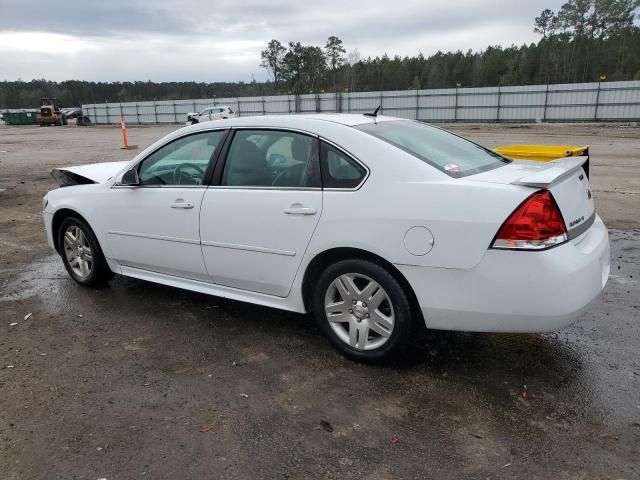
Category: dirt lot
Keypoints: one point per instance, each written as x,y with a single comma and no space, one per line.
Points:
118,383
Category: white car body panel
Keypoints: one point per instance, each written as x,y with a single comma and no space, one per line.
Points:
246,248
516,291
152,235
97,172
243,244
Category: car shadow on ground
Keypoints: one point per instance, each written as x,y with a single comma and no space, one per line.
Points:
547,359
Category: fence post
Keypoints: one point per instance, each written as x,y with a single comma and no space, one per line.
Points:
595,113
455,107
121,114
417,103
498,109
137,113
175,115
106,109
546,98
381,97
264,111
349,102
155,112
238,102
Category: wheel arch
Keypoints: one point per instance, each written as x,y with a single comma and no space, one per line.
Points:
57,220
333,255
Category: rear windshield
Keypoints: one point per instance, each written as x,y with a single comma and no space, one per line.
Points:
447,152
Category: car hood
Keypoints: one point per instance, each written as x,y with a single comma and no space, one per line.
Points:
84,174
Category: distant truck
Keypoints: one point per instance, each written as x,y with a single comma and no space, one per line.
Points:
50,113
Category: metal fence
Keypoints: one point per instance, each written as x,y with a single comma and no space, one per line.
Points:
579,102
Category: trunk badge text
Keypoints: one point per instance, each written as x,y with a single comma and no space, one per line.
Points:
576,221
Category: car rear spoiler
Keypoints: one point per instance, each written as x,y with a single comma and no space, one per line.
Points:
545,153
557,170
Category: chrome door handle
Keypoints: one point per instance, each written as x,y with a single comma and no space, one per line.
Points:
300,210
185,205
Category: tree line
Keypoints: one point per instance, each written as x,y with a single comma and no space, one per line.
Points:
584,41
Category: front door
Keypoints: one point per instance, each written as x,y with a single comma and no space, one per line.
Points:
154,226
256,223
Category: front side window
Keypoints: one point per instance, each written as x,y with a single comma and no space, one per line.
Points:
181,162
445,151
270,158
339,170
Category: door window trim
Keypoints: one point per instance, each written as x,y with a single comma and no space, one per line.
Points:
216,181
208,174
353,159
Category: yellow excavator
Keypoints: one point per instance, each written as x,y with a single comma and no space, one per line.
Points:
49,113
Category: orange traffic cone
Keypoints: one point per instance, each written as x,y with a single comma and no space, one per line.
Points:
125,140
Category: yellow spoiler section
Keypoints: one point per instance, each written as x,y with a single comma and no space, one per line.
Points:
544,153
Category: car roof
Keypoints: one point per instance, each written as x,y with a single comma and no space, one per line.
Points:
297,120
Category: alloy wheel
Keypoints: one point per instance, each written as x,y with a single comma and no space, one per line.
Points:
78,252
359,311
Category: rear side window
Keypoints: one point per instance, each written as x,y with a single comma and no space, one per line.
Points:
271,158
339,170
445,151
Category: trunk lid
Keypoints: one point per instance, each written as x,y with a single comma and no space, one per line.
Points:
564,178
84,174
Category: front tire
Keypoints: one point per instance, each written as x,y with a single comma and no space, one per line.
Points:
363,310
81,253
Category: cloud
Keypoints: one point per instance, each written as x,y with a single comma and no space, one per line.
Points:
222,40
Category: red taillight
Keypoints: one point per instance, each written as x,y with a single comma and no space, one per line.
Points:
535,225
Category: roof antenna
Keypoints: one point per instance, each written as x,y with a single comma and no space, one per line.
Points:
375,112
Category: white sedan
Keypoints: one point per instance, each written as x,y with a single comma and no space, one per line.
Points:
375,224
210,113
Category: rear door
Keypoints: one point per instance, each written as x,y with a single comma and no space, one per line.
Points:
256,223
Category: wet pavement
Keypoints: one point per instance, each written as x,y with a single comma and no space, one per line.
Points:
144,381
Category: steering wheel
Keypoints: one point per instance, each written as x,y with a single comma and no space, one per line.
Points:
179,174
292,176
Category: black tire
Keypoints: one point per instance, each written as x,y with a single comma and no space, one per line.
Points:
194,121
403,326
100,272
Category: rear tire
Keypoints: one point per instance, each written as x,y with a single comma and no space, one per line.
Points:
81,253
363,310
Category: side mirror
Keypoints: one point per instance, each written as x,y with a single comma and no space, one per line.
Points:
130,178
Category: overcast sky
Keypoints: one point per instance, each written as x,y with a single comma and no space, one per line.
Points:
221,40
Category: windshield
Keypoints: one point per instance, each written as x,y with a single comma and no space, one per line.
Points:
445,151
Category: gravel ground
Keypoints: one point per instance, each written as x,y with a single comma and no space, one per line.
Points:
144,381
